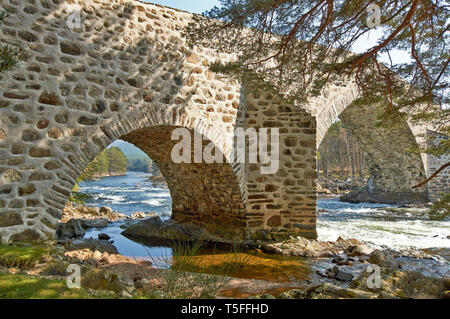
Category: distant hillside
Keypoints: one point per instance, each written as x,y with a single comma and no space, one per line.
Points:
138,161
130,151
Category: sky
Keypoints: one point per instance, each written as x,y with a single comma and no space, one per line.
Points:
194,6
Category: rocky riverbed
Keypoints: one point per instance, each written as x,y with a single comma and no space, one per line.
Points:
345,268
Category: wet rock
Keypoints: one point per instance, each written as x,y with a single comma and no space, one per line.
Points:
382,259
312,248
156,228
141,215
71,229
92,244
358,250
301,247
330,291
337,273
393,198
91,217
98,223
341,261
103,236
401,284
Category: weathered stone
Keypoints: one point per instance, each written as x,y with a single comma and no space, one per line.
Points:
26,190
39,177
30,136
54,133
52,165
71,229
10,219
28,235
17,149
274,221
49,98
27,36
10,176
40,152
62,118
70,48
87,120
16,203
42,123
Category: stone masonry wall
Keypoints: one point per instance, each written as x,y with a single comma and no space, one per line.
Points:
393,169
282,204
441,183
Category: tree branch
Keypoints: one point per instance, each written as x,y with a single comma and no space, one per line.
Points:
440,169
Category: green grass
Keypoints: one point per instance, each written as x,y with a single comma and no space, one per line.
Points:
22,256
18,286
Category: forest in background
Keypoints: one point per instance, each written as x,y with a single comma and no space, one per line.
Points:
111,161
340,156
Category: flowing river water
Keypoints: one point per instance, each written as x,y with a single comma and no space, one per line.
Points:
380,225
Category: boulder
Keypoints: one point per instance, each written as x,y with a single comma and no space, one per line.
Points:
358,250
70,230
301,247
398,283
103,236
400,198
383,259
141,215
96,223
155,228
339,274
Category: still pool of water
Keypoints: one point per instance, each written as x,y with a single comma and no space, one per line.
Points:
374,223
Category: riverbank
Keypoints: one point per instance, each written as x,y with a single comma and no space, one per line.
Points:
345,271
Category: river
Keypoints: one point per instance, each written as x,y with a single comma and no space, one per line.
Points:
380,225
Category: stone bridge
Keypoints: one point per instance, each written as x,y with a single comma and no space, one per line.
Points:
127,72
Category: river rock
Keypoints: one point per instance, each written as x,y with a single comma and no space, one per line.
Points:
401,284
301,247
93,245
70,230
358,250
383,259
362,195
313,248
141,215
103,236
97,223
155,228
88,213
338,274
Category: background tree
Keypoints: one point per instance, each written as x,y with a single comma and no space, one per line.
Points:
300,47
341,156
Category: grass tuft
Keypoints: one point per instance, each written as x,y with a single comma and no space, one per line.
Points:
23,256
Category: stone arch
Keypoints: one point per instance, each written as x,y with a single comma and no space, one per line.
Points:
126,68
393,169
207,195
